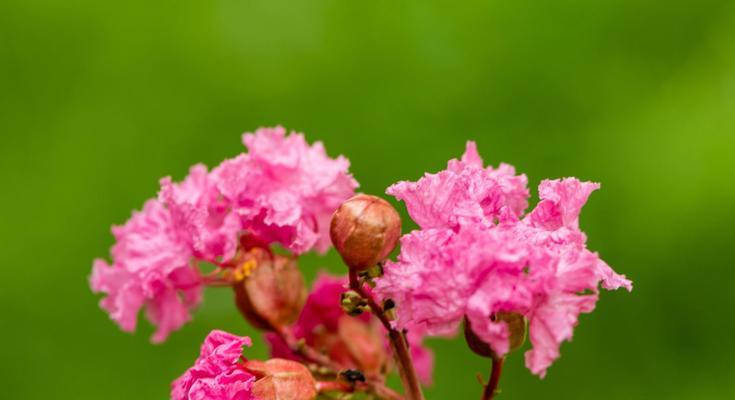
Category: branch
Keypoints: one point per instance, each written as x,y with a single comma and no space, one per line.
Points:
491,389
397,339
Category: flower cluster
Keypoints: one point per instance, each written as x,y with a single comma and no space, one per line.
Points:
281,191
476,257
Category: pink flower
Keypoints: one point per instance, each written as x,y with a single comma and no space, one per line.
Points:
464,193
201,215
442,276
284,190
558,284
471,263
554,223
218,373
151,268
422,356
362,345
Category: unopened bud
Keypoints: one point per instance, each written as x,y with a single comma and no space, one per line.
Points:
282,379
364,342
364,230
353,304
516,324
270,290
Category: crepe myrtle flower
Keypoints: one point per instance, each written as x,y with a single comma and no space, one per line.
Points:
281,191
284,190
477,258
464,193
222,373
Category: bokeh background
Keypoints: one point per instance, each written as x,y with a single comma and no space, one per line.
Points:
98,100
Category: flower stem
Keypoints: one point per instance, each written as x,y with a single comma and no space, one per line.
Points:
334,386
307,352
491,389
406,370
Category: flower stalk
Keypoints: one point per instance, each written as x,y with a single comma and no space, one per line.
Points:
491,389
398,342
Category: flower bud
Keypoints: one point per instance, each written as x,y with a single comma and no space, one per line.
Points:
516,324
282,379
353,304
364,342
269,289
364,230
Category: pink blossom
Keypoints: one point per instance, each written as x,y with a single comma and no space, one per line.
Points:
463,265
218,373
554,223
319,325
441,276
285,190
201,215
421,355
558,284
464,193
151,268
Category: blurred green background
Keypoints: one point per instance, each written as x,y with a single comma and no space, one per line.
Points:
98,100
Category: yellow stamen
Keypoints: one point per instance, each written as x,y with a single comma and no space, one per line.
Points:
245,270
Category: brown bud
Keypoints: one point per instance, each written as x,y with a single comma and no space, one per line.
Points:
282,379
269,289
516,326
365,344
364,230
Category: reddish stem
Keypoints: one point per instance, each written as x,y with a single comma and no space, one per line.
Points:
334,386
406,370
216,283
307,352
384,392
222,264
491,388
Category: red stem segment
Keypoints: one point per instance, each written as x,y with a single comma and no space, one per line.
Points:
334,386
307,352
406,370
491,388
